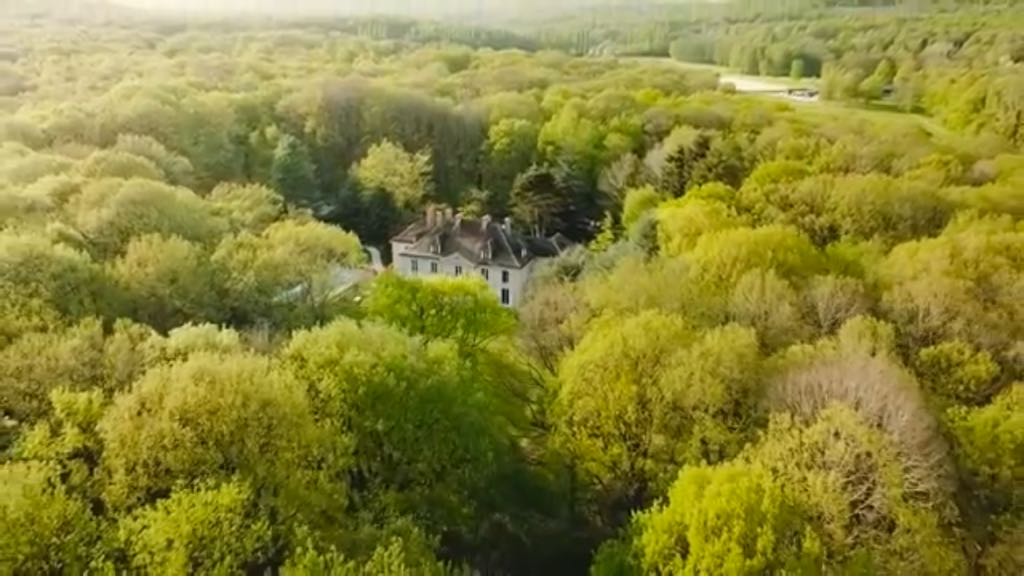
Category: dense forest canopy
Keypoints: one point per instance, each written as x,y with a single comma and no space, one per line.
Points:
790,339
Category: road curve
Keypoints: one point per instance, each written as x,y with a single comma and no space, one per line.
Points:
376,262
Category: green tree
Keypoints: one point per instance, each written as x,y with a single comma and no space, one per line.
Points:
460,309
797,69
788,506
215,418
678,157
38,363
858,369
769,304
955,371
292,172
551,320
957,286
247,207
403,175
605,235
539,200
726,255
873,86
175,168
187,340
104,164
734,518
988,444
67,443
571,139
110,213
682,222
832,300
908,86
511,149
39,276
637,202
400,549
876,206
167,282
613,415
293,272
20,315
46,531
216,529
429,434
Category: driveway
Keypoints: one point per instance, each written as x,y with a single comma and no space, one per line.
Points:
376,263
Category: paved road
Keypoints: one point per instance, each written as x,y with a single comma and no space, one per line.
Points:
748,84
755,85
375,261
742,82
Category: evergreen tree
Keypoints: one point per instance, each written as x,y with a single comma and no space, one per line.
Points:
292,172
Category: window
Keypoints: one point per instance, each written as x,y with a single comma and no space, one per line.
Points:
415,266
433,268
458,270
486,274
505,297
504,276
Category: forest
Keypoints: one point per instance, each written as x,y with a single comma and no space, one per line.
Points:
789,340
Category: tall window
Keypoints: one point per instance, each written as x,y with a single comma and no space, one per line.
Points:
486,274
433,268
458,270
504,276
415,266
505,297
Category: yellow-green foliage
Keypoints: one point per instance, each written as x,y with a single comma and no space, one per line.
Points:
788,339
818,498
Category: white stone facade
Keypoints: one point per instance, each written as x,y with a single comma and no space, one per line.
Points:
507,283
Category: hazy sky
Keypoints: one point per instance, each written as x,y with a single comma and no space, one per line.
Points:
413,7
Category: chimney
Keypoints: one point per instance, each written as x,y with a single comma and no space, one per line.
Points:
485,223
448,215
508,225
429,217
458,221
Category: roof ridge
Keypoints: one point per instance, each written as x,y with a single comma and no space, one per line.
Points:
470,239
503,234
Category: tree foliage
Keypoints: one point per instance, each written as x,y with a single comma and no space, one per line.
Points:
788,339
403,175
462,310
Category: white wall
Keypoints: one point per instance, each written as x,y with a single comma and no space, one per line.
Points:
516,282
402,263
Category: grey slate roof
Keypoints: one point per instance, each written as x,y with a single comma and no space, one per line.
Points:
481,242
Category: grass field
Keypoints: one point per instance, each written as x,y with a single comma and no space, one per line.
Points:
745,83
